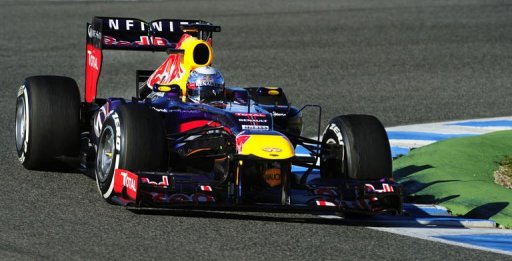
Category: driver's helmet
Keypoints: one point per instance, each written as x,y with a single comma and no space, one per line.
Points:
204,85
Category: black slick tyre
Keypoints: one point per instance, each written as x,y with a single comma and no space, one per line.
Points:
355,147
47,121
132,138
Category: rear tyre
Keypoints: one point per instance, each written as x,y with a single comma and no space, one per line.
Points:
132,138
47,121
355,147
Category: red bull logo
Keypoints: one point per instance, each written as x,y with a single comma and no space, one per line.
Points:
170,71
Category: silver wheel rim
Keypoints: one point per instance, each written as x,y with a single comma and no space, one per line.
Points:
21,127
106,151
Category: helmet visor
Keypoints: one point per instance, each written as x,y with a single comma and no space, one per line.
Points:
206,94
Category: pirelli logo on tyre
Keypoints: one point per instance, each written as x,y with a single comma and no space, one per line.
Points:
336,131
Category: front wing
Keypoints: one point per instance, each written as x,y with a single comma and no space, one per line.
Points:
201,192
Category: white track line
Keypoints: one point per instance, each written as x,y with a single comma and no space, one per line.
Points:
447,127
433,233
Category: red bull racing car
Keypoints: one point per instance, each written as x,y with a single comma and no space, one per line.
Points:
157,149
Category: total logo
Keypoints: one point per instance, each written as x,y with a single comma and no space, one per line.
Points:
129,182
92,60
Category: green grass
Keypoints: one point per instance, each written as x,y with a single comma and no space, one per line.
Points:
458,174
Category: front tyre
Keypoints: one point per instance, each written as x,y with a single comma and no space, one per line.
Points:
132,138
47,121
355,147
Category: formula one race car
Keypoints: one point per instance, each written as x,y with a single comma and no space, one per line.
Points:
243,151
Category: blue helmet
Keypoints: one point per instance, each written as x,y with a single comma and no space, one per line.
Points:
205,84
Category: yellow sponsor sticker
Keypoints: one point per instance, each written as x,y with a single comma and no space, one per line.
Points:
273,92
164,88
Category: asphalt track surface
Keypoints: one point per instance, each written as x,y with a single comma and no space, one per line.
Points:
403,61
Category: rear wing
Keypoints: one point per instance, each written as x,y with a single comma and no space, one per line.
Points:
117,33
